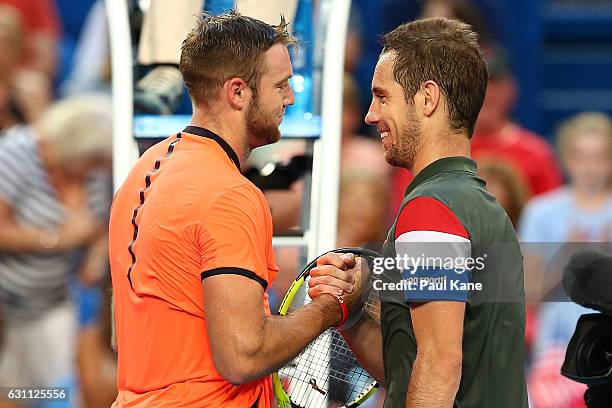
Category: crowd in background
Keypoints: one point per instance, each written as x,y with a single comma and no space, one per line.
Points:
55,193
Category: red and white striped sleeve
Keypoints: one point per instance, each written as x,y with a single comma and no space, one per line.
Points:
434,247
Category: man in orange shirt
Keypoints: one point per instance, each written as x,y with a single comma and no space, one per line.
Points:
191,238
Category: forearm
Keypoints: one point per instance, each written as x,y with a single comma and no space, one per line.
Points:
434,381
284,337
365,340
14,238
94,265
98,381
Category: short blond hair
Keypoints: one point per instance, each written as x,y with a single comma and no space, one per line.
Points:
583,123
226,46
78,127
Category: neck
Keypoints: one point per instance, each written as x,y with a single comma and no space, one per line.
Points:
228,128
439,146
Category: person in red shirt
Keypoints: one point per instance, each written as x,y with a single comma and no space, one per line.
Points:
42,29
497,137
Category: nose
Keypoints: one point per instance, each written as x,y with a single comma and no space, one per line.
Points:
373,115
289,97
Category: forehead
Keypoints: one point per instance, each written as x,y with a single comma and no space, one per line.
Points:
594,139
383,73
277,62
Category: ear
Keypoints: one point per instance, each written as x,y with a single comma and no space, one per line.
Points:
431,97
237,93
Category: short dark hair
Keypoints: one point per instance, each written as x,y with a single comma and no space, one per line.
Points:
227,46
445,51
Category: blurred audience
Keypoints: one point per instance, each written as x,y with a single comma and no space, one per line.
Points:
354,43
463,10
578,212
363,208
499,138
507,187
54,200
96,361
24,93
547,387
41,32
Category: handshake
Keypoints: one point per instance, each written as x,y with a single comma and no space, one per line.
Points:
341,275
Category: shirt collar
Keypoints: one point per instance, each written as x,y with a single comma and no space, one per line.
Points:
455,163
199,131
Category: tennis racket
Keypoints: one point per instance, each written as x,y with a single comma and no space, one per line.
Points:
326,374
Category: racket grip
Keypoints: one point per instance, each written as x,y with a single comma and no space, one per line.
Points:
344,309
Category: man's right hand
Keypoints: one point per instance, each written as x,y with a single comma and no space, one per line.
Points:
362,333
338,274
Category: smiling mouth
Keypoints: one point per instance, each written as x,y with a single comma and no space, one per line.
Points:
383,135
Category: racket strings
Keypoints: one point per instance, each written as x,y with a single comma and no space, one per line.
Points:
326,373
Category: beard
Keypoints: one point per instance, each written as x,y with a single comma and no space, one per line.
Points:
261,125
403,150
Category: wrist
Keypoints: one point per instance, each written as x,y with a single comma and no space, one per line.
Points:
48,239
334,309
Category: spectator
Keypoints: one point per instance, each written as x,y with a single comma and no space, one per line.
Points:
506,186
354,43
96,360
41,27
24,94
51,223
497,137
547,387
362,209
463,10
581,211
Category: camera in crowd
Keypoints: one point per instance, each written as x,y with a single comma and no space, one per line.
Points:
587,280
280,176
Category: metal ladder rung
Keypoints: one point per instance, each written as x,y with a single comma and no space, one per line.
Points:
281,242
305,126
